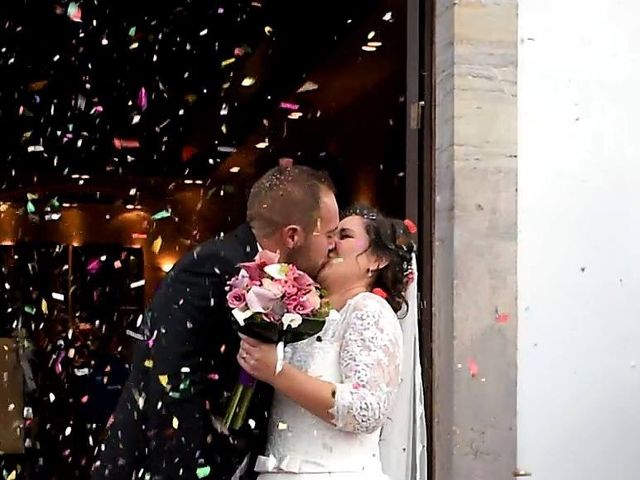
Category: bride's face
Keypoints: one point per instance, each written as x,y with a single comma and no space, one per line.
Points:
351,260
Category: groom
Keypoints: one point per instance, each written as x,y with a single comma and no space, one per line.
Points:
164,426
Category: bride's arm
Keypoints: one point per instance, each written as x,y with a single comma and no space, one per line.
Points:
370,361
312,394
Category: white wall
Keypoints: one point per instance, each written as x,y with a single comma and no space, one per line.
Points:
579,239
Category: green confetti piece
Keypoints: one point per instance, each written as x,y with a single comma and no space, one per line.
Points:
30,309
54,202
160,215
203,471
30,207
132,31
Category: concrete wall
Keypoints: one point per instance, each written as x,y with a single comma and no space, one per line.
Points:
474,270
579,240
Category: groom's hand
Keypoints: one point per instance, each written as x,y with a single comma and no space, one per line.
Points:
258,359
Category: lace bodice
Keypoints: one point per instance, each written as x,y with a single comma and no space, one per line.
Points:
360,351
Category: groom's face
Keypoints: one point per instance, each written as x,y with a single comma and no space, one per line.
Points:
313,253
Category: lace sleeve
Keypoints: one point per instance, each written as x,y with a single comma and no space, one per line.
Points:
370,361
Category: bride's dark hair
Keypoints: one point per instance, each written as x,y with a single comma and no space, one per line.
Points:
391,240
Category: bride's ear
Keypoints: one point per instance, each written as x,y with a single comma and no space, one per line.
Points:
292,236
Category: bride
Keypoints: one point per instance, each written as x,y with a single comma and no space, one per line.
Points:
336,389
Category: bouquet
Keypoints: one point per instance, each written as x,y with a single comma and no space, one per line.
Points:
274,303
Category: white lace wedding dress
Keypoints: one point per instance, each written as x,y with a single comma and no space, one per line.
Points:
360,351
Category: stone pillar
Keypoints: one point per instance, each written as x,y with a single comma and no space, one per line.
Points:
475,234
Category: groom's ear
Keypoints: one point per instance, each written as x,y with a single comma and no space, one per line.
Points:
292,236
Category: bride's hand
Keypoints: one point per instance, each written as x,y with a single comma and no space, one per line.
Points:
258,358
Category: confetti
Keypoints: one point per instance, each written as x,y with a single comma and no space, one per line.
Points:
160,215
74,12
149,364
164,380
202,472
157,244
289,106
502,317
472,365
175,423
308,86
137,284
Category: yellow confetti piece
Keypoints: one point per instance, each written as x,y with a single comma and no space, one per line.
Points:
149,364
248,81
12,476
175,423
157,243
45,307
228,61
163,379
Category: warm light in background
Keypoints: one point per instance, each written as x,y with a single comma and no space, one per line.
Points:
167,263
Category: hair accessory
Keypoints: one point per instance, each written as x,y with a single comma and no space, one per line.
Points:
286,162
380,292
410,226
409,276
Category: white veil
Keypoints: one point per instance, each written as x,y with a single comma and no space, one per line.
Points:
403,441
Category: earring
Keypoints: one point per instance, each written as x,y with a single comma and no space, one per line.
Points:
370,272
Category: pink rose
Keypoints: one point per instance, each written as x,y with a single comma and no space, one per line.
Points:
304,306
300,279
289,288
237,298
253,270
260,299
313,298
265,257
240,281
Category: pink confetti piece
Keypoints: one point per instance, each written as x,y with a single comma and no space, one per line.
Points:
94,266
289,106
502,317
58,366
142,99
472,365
84,399
121,143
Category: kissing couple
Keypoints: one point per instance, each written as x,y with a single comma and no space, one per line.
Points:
320,414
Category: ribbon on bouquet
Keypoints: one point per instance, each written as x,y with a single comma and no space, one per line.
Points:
279,357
